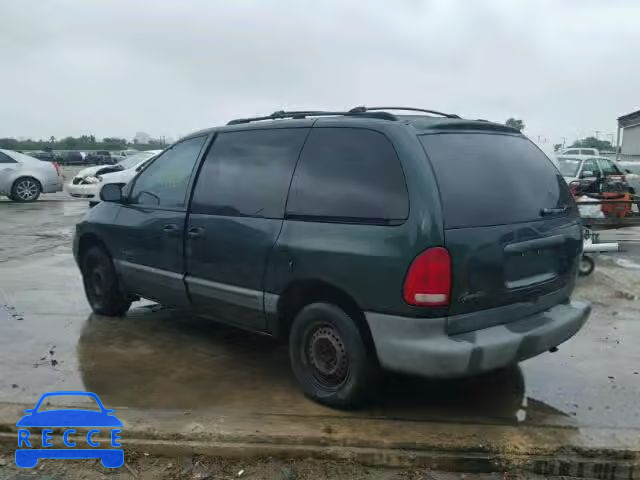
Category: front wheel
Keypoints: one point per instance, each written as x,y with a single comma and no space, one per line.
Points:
101,285
330,358
26,190
586,266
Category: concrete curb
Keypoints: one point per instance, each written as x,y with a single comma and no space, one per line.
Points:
546,450
587,466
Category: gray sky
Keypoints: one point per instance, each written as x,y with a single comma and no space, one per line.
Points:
115,67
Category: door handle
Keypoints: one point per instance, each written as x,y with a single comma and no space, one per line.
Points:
170,229
195,232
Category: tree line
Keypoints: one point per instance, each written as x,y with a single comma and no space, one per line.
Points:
587,142
90,142
83,142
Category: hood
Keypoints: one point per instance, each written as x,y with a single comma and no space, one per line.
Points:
98,170
120,176
109,169
87,172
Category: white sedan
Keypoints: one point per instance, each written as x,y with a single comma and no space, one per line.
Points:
88,182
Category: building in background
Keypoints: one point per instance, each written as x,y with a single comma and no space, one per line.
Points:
628,141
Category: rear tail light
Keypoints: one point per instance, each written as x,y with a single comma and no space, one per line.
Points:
57,167
428,281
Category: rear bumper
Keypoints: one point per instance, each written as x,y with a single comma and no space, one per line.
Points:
421,346
54,186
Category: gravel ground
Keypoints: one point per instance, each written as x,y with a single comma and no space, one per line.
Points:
213,468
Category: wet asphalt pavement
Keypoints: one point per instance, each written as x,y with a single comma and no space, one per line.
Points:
167,359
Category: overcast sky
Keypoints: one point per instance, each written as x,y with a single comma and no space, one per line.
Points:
115,67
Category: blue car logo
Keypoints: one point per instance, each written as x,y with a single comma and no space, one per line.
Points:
28,452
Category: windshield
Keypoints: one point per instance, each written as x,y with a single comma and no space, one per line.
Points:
568,167
134,160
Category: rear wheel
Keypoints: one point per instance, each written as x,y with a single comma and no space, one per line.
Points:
25,189
329,357
101,285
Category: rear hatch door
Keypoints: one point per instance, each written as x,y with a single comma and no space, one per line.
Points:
511,226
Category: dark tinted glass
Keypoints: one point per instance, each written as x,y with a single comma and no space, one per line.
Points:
489,179
348,174
248,173
164,182
6,158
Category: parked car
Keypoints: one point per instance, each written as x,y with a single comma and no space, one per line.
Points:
579,167
73,158
46,156
23,178
580,151
354,237
100,157
117,157
88,182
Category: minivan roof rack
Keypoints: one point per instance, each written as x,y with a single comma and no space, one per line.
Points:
373,112
296,114
364,109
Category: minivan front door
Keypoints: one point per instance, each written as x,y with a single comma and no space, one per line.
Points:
149,228
235,218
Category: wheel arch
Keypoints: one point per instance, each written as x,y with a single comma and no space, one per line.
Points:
88,240
302,292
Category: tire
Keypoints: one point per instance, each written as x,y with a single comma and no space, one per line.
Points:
586,266
330,358
25,189
101,284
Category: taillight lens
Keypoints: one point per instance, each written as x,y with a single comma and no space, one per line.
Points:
57,167
428,281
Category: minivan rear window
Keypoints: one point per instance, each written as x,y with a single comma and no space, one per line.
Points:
493,179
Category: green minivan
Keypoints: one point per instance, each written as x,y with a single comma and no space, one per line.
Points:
420,243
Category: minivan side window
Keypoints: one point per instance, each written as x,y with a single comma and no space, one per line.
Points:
163,183
350,175
247,173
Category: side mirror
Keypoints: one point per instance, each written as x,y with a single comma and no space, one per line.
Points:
587,173
111,192
627,170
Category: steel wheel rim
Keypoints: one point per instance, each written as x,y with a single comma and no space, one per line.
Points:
26,190
326,355
96,282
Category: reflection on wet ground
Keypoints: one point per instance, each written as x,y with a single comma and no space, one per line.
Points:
163,358
169,359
